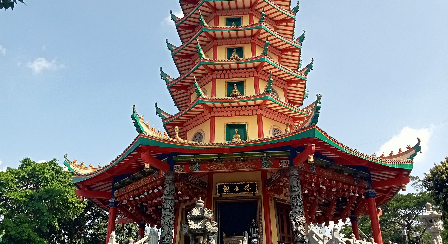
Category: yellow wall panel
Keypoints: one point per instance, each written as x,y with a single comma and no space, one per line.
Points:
208,88
268,124
220,126
205,127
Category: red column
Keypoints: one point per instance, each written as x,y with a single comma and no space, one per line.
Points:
213,86
257,85
253,48
215,52
260,125
370,196
355,229
212,129
285,92
112,217
209,202
216,20
251,18
141,230
266,208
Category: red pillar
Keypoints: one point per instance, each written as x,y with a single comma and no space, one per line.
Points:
209,201
257,85
266,208
355,229
260,125
370,196
216,20
141,230
112,217
212,129
251,18
253,48
215,53
213,85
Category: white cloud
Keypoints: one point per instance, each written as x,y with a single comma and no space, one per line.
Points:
169,21
41,64
2,169
408,136
41,161
2,50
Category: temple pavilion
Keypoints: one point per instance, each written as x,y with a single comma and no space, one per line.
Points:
245,140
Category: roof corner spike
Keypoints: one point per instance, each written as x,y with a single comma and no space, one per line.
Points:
170,46
269,85
296,8
266,47
309,67
306,95
198,89
203,23
159,112
317,105
200,52
173,17
134,111
301,38
164,76
417,148
262,16
136,120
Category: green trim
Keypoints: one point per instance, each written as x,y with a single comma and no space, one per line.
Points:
164,76
66,163
200,51
310,133
295,9
309,67
220,62
203,1
159,112
201,19
261,20
417,148
301,38
170,46
198,90
237,29
173,17
200,101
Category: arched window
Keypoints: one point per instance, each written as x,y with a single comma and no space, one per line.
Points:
276,131
198,136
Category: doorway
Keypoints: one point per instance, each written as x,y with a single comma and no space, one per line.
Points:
234,217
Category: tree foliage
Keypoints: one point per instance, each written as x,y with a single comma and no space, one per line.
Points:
436,182
401,213
5,4
39,205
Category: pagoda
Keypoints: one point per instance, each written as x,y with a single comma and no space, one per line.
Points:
244,140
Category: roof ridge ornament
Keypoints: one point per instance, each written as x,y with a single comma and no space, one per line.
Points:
201,19
198,89
301,38
159,112
170,46
317,105
200,51
269,85
296,8
266,46
173,17
164,76
309,67
136,120
262,16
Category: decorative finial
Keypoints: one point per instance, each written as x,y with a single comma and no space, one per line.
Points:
200,52
266,46
133,110
197,88
269,85
170,46
295,9
262,16
159,112
164,76
201,19
309,67
301,38
173,17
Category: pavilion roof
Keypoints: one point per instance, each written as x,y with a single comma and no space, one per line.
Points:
275,15
185,55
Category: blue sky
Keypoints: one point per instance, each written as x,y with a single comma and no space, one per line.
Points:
70,73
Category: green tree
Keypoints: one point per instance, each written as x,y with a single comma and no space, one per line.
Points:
5,4
436,182
401,213
39,205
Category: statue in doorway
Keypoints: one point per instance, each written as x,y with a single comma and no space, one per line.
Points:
235,92
234,55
